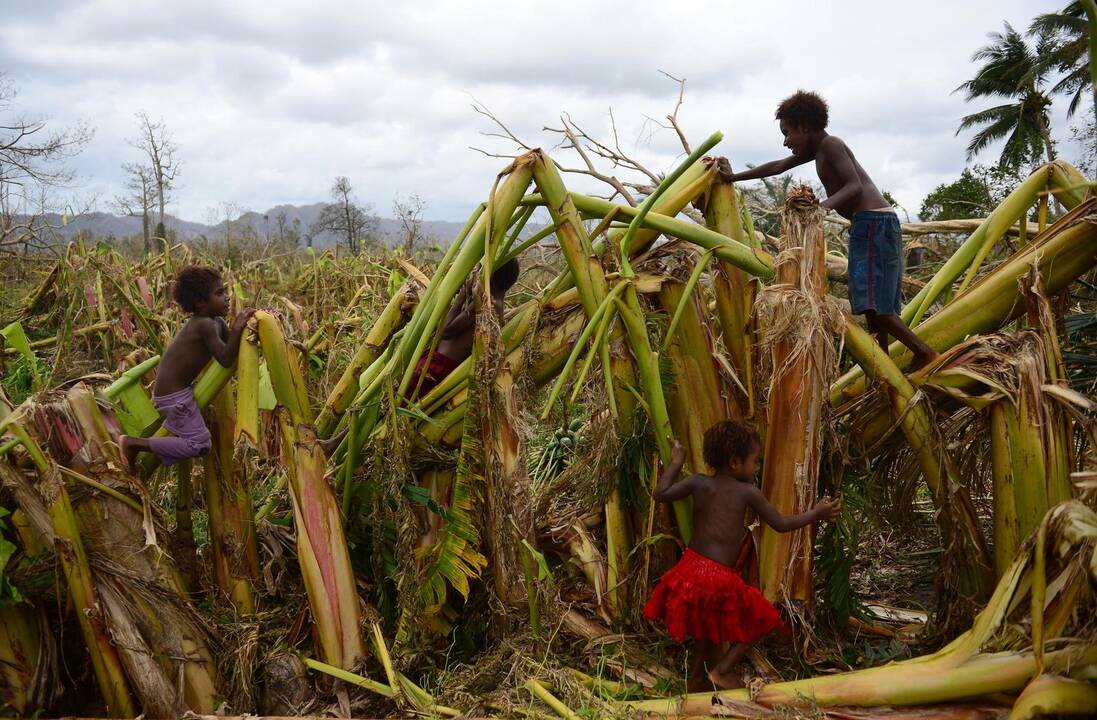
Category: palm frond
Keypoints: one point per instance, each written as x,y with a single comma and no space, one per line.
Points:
454,559
999,122
1009,64
1070,20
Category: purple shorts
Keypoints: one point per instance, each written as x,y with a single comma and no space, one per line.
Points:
184,421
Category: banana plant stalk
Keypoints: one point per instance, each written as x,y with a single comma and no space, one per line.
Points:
228,501
321,543
68,544
797,400
733,290
386,324
589,279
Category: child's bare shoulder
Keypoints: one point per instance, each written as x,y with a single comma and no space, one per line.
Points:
832,144
196,326
198,323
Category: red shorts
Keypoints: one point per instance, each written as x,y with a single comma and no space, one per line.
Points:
440,366
707,600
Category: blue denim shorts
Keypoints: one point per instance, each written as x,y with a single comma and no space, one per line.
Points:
875,263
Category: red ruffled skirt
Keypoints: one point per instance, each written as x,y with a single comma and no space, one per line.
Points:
707,600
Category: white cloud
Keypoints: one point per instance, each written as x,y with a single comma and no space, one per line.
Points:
268,103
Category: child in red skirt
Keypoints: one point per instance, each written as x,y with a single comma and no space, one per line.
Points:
702,596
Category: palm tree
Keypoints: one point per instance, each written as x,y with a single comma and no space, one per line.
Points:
1016,71
1067,32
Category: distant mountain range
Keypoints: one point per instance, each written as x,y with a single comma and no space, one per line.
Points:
299,218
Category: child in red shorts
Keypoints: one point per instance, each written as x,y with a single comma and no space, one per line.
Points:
702,596
459,328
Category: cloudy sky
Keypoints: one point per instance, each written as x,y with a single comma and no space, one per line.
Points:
270,101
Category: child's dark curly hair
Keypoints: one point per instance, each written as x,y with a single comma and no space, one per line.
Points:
194,284
726,440
804,109
504,277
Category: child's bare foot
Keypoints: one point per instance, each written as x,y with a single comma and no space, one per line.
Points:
921,360
725,681
129,454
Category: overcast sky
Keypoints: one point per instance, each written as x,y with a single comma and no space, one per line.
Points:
270,101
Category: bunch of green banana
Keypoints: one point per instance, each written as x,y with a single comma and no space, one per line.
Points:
549,459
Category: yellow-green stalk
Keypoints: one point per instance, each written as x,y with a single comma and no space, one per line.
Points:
1051,695
387,323
247,392
132,405
588,276
698,399
321,543
971,572
977,245
228,501
23,682
1007,527
734,291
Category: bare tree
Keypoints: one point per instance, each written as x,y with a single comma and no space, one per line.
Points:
31,163
156,142
293,235
351,223
288,231
281,222
409,211
139,198
602,159
231,211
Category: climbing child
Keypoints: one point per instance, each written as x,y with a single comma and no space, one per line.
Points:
703,596
460,325
875,241
200,292
455,344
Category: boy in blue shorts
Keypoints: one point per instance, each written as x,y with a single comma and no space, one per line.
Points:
875,242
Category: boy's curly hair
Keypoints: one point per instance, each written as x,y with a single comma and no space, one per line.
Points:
193,284
726,440
804,109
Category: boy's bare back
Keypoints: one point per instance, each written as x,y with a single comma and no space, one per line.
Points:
838,168
187,353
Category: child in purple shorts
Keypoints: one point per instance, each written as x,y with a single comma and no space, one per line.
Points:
201,292
875,243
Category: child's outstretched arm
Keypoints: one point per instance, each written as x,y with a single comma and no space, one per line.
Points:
664,491
774,167
824,509
225,351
